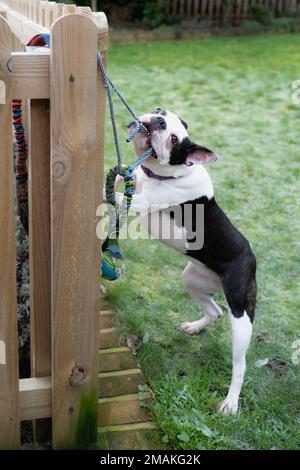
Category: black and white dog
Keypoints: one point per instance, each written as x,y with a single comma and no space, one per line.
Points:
174,177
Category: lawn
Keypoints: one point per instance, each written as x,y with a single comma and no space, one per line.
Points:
235,94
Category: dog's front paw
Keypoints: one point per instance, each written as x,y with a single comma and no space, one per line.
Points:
229,407
191,328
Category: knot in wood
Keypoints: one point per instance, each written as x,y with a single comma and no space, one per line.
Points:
58,169
78,375
61,168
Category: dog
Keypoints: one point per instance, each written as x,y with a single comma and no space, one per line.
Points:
170,186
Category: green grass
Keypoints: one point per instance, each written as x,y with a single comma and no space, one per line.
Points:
235,93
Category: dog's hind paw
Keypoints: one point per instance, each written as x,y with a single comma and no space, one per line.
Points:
229,407
193,327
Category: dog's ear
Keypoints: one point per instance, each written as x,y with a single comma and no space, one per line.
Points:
196,155
183,123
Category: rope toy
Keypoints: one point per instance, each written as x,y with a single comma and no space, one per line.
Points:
112,265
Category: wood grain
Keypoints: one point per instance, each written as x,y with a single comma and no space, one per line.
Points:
31,75
22,27
35,398
39,237
9,372
76,162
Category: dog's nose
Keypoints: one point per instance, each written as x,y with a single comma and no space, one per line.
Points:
157,123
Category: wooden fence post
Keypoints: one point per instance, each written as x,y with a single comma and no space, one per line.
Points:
9,370
75,190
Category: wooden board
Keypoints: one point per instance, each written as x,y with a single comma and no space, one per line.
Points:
40,243
31,75
35,398
76,138
23,28
9,370
39,237
100,118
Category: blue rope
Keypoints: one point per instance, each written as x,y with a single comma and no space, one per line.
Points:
139,160
109,85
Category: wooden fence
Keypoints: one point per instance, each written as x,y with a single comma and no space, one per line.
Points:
65,187
215,9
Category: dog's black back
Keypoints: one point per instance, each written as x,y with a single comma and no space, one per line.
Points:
227,252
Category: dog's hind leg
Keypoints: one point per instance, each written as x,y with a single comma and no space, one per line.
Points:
200,282
241,335
240,293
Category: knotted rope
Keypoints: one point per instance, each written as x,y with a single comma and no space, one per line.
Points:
112,266
109,85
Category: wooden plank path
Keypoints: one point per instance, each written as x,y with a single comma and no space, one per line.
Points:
123,423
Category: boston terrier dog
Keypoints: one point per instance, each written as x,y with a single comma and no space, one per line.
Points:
171,187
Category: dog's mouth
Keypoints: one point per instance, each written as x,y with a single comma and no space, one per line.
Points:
153,155
146,131
147,126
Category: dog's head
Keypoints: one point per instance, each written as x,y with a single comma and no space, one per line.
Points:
168,136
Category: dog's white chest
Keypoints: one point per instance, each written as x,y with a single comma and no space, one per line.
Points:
155,197
193,183
160,226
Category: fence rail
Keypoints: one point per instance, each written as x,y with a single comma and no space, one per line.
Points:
65,102
239,9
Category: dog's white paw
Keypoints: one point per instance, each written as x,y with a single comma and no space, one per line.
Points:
229,407
191,327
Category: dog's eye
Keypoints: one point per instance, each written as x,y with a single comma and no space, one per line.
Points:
174,139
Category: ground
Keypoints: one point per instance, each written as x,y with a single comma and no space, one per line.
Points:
235,94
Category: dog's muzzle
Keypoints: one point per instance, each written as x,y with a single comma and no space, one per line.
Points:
156,123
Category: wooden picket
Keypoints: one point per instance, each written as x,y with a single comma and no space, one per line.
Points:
74,190
40,240
9,372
